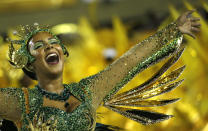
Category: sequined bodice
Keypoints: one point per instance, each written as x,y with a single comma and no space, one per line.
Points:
81,118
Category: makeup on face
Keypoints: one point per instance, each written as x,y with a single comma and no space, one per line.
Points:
45,43
40,43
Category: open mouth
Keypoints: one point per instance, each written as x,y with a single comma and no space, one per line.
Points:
52,58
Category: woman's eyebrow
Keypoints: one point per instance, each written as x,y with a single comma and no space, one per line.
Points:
39,41
51,38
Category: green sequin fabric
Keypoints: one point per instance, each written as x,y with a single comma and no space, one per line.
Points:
92,91
80,119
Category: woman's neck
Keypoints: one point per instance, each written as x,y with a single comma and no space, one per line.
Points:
51,85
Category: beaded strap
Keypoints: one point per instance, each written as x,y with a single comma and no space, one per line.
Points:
26,96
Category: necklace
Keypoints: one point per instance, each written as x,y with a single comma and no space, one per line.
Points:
63,96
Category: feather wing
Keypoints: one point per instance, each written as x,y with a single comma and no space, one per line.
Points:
141,116
138,96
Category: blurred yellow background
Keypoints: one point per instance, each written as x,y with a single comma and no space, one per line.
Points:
93,46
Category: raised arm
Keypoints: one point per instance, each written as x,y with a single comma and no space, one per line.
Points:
153,49
10,104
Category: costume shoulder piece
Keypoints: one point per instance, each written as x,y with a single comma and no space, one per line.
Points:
11,103
8,95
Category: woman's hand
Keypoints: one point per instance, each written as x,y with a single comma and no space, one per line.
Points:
188,24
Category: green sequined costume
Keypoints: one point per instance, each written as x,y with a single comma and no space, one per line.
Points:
102,87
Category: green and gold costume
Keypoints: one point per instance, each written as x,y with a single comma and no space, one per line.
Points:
102,87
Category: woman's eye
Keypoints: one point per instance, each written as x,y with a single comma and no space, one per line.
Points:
54,41
38,45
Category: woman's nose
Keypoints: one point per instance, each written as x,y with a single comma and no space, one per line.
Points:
48,46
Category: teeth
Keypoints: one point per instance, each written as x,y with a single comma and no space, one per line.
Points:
52,54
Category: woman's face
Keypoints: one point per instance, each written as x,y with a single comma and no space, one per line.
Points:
48,54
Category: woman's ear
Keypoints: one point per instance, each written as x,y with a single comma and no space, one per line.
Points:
29,71
30,68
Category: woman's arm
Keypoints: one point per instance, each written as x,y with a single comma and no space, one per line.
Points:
10,104
158,46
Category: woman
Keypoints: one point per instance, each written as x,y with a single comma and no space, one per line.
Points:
53,105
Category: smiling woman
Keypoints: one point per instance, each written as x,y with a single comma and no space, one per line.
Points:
52,105
48,53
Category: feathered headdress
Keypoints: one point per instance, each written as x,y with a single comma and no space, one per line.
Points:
21,57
